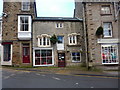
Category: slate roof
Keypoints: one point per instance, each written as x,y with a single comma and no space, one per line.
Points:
56,19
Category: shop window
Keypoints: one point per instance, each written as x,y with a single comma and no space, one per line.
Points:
109,54
43,57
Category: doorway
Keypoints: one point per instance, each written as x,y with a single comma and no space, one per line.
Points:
61,60
26,53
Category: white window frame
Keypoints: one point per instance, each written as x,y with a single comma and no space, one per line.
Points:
47,37
105,7
72,56
27,5
72,42
117,61
44,49
107,28
29,23
59,25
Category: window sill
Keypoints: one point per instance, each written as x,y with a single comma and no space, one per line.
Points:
75,61
73,45
44,46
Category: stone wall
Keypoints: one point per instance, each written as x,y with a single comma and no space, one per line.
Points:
48,27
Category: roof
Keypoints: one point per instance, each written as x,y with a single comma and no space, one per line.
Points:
97,1
56,19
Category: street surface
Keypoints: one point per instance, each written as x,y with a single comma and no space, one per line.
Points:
29,79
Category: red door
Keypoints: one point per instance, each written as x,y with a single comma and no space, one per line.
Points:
61,60
26,55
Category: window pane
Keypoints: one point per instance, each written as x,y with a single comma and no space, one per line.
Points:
7,52
37,61
44,40
107,29
49,52
105,9
76,56
37,53
60,39
26,5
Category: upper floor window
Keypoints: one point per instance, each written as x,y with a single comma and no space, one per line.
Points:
59,25
44,40
60,39
26,5
105,9
76,56
107,26
0,27
72,38
24,23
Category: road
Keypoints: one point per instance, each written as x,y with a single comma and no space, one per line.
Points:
29,79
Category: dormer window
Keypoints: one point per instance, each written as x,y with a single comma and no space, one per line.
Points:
44,40
26,5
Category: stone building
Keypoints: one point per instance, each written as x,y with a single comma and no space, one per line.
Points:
17,32
26,38
102,48
69,50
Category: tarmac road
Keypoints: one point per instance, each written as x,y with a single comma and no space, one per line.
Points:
31,79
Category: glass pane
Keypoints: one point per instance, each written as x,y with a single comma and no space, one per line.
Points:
37,53
49,60
49,52
37,61
43,53
7,52
60,39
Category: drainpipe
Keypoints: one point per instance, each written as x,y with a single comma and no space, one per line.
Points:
85,36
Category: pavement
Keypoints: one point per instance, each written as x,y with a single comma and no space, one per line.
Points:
67,71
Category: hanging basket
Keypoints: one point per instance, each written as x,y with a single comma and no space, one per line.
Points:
53,39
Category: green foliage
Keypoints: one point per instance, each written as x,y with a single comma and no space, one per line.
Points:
53,39
99,31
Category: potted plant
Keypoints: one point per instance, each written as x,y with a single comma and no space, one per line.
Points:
99,31
53,39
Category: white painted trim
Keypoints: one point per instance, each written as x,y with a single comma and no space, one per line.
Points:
59,25
6,62
34,48
73,60
108,41
29,22
117,54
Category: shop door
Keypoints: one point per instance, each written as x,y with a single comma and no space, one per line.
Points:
26,55
61,60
